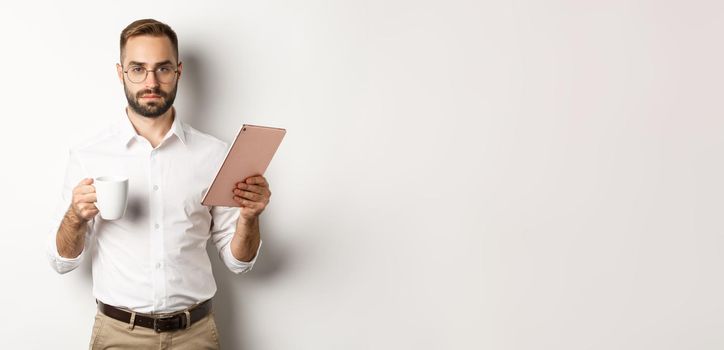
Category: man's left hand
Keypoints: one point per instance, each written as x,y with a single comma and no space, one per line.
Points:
253,194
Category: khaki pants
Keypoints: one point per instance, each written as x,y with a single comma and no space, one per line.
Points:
109,333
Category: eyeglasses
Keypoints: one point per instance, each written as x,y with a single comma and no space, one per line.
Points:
164,74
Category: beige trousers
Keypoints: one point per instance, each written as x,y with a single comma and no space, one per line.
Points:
109,333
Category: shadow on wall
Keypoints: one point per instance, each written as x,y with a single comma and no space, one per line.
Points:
229,302
196,91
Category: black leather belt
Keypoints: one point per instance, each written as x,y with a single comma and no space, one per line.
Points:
161,322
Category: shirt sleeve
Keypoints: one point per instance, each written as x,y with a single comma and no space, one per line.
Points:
223,226
73,174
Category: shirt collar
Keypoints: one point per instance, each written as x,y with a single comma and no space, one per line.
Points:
127,132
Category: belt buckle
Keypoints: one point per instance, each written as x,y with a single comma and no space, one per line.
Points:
156,326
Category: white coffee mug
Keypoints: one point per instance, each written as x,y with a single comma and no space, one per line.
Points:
111,196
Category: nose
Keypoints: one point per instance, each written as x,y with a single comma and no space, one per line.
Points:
151,80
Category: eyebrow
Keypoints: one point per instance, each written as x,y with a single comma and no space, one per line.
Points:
135,63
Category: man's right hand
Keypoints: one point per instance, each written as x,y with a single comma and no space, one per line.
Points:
84,197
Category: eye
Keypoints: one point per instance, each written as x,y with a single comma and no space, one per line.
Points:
136,69
164,69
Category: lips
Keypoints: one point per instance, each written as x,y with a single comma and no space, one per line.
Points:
150,96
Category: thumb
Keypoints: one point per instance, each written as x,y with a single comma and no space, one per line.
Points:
86,181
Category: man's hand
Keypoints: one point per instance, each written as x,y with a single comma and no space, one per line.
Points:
253,194
84,197
70,238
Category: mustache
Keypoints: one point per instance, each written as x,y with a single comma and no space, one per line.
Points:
150,92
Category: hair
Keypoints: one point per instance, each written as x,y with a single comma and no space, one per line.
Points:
150,27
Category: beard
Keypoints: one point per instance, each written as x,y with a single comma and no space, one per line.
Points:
151,109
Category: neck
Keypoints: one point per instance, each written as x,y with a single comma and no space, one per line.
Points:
152,129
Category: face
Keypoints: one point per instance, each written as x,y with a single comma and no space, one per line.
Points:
150,98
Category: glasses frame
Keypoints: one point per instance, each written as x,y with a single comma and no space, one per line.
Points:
175,74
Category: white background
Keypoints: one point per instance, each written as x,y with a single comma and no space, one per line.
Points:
455,175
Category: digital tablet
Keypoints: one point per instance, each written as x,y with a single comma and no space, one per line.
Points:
249,155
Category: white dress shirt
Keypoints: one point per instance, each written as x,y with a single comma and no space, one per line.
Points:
153,259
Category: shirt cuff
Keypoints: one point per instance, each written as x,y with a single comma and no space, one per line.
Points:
59,263
238,266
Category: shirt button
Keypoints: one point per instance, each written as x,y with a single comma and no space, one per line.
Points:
155,187
156,226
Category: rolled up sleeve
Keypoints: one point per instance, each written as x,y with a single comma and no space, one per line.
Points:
223,226
73,174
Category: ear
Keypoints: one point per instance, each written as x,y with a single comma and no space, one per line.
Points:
119,70
180,68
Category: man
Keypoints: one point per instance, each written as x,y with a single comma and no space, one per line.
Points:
152,276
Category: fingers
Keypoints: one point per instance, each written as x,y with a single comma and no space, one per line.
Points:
84,197
253,195
254,188
88,198
249,204
256,197
82,200
87,208
89,213
86,211
85,189
256,180
84,186
252,192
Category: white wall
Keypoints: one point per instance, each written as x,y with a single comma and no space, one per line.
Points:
456,174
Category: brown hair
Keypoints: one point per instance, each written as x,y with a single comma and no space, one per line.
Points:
148,27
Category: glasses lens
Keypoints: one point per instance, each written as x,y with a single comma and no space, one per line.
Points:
165,74
136,74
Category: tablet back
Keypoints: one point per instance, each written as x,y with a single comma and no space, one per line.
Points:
249,155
